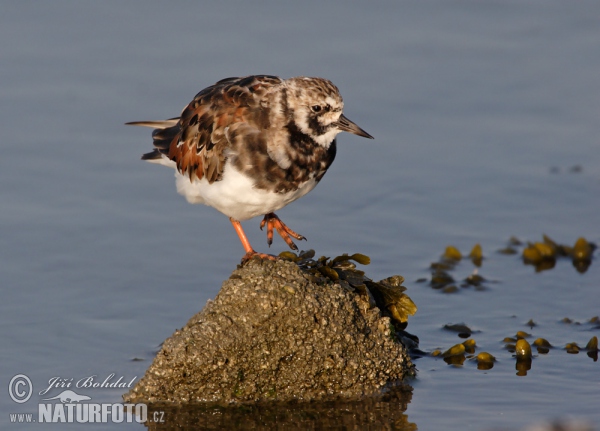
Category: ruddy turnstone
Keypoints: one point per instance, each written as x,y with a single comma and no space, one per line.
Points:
249,146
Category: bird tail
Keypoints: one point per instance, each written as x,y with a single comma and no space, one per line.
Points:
155,124
164,133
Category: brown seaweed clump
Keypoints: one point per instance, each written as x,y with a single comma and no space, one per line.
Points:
387,294
543,255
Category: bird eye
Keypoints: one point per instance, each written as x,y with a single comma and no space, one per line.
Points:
316,108
327,108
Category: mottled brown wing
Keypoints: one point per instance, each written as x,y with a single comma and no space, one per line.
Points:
198,142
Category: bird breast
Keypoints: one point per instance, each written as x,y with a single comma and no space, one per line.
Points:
236,195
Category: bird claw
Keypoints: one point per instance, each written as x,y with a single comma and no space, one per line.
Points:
272,221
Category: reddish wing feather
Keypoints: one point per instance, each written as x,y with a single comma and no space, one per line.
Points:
198,147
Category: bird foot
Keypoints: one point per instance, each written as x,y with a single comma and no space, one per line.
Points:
272,221
252,254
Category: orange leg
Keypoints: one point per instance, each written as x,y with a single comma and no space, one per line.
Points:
250,253
272,221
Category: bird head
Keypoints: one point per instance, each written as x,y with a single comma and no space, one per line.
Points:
316,107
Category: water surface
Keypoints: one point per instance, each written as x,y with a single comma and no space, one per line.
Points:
480,112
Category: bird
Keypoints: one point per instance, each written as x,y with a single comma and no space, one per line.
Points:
248,146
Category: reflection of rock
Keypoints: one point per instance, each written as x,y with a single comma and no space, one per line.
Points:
570,424
271,334
370,413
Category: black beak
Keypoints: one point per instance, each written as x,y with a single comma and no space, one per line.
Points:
346,125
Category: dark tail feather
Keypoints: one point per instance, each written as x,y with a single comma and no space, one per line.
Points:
152,156
163,135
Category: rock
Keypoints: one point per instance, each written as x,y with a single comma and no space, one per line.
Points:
271,334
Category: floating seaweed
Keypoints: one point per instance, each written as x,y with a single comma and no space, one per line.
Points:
540,255
441,266
463,330
592,345
450,289
572,348
522,335
542,345
456,350
485,357
513,240
443,281
485,361
452,254
592,348
543,255
474,280
523,349
476,255
508,250
470,345
440,279
542,342
581,254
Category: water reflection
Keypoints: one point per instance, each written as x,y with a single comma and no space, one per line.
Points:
522,366
455,360
382,413
485,365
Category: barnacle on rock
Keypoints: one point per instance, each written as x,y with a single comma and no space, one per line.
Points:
273,334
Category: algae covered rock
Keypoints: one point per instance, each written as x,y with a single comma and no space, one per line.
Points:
273,334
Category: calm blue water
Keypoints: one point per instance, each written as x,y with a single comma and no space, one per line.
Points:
473,106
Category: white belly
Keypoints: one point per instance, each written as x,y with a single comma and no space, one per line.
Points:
235,195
